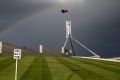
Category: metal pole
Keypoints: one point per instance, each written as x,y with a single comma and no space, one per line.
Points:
16,69
65,42
72,45
84,46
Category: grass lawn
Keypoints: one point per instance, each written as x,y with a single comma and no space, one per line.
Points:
58,68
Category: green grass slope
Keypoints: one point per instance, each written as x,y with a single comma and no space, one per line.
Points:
58,68
7,50
36,66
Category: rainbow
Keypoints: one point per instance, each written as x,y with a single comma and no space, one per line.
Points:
24,19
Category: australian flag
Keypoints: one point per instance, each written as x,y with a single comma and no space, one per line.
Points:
64,11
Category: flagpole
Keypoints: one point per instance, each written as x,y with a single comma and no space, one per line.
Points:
68,30
68,16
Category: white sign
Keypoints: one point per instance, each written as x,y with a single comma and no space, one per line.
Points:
0,47
17,53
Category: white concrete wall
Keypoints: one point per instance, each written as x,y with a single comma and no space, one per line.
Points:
68,28
0,47
62,50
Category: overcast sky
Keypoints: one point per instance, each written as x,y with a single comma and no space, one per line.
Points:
96,23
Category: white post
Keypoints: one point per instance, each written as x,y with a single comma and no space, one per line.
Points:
16,69
71,51
0,47
41,49
66,53
63,49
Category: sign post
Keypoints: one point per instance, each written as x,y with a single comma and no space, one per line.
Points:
17,55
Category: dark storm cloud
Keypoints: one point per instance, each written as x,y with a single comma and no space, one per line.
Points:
14,10
99,26
15,7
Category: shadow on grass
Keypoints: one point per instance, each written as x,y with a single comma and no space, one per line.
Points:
71,75
100,65
6,63
38,70
82,72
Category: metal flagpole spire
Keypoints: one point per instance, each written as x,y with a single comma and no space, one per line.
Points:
68,32
70,37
